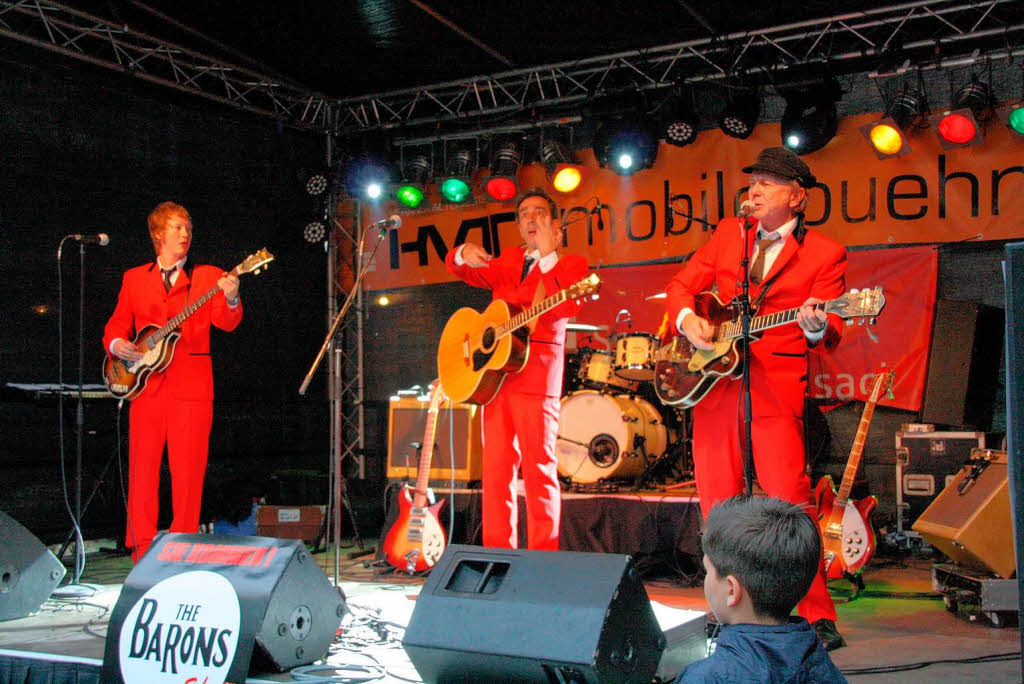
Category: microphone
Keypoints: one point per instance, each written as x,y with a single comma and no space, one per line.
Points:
394,221
746,209
102,239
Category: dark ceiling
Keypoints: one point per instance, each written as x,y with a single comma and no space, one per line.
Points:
354,47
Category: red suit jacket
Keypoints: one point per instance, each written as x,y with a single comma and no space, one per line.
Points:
813,267
143,301
542,374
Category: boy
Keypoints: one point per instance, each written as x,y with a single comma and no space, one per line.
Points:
761,555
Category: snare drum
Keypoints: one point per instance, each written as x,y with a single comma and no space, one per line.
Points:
634,356
596,370
603,435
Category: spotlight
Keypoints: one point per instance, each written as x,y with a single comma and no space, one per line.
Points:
627,146
502,184
810,119
383,300
316,184
374,190
411,191
314,232
454,187
888,136
960,127
741,113
680,123
1016,119
368,176
564,175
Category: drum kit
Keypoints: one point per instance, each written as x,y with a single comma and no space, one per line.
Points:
611,429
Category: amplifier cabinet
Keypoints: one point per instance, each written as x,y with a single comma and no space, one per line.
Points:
458,426
970,520
926,461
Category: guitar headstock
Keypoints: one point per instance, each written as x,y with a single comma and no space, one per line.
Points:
588,287
884,378
254,262
437,396
862,304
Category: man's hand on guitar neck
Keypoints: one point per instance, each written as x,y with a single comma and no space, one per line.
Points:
698,331
812,320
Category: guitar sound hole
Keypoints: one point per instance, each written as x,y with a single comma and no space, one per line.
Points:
488,339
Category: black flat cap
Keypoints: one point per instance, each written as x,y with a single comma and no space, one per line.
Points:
784,163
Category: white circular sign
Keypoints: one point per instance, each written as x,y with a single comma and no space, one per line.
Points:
184,629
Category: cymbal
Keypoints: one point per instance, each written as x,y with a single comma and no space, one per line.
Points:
586,327
660,295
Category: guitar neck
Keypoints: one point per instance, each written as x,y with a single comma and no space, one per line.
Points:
856,452
183,315
734,329
526,315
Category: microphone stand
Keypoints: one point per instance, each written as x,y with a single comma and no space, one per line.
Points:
743,303
339,487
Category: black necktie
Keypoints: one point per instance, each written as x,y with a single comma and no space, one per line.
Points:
167,277
527,262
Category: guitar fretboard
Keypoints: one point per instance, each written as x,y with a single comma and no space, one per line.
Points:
167,328
527,315
733,329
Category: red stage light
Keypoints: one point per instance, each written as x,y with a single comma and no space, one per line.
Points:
957,129
501,189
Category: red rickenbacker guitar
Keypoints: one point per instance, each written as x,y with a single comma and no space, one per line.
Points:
477,350
126,379
683,374
416,540
847,538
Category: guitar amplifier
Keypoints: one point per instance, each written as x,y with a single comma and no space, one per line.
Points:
926,462
457,426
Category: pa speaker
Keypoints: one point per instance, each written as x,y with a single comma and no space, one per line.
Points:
970,520
213,607
507,615
28,571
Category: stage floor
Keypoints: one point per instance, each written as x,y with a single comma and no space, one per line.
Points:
897,621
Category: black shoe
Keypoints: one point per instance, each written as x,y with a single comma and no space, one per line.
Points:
828,635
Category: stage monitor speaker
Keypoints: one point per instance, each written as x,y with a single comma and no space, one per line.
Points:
505,615
406,423
963,365
1013,280
212,608
28,571
970,520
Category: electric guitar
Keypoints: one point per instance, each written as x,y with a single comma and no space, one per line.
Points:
683,374
126,379
416,539
477,350
847,539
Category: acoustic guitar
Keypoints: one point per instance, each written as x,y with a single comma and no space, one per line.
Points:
847,537
477,350
126,379
683,374
416,539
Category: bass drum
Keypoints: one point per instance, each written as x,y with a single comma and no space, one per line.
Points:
603,435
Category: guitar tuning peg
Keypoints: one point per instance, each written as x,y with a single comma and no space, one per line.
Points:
860,321
873,321
854,290
256,272
849,321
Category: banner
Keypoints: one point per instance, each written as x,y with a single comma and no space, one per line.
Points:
899,340
928,195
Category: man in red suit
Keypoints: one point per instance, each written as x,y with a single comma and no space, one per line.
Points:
176,407
798,268
520,424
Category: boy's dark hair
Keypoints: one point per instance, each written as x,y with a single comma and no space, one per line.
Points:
772,547
537,192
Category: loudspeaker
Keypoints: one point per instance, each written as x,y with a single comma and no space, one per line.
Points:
214,607
512,615
970,519
1013,279
28,571
963,365
459,426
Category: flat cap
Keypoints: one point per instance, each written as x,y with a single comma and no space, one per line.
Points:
784,163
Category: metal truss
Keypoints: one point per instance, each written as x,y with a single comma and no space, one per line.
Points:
938,28
72,33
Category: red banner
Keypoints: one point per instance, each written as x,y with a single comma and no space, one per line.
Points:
899,340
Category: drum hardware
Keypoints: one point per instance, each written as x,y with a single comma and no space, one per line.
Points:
596,371
634,356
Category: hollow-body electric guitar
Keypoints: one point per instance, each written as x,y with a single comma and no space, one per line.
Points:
683,374
126,379
477,350
416,539
847,537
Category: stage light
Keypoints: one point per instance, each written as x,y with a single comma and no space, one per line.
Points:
739,118
627,146
502,184
810,119
960,126
625,161
316,184
383,300
679,122
888,136
564,175
455,187
411,191
374,190
1016,119
314,232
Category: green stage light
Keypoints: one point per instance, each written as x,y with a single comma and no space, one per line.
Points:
455,190
411,191
1016,119
455,184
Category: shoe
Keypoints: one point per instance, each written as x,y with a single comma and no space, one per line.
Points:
828,635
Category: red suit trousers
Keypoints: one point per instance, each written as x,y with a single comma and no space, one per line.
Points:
778,462
184,427
533,422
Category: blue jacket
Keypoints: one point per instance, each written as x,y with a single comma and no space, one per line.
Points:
773,654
